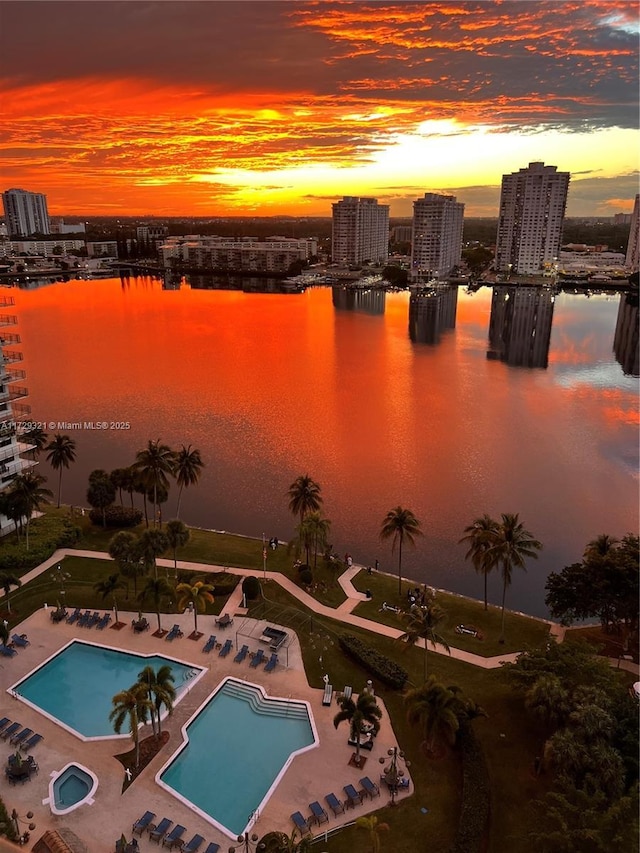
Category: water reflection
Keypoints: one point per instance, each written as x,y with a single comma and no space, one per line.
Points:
520,326
350,298
625,339
432,311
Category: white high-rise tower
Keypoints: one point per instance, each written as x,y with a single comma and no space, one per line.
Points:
532,207
632,260
360,231
25,213
436,241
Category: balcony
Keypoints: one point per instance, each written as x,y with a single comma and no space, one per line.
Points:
18,392
10,469
9,338
18,410
11,355
15,375
8,320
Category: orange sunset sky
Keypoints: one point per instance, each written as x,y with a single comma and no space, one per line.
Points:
266,108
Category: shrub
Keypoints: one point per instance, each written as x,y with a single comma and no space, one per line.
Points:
223,583
476,802
116,516
304,567
46,534
306,577
385,669
251,588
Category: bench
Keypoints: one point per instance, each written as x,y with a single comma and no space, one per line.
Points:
328,694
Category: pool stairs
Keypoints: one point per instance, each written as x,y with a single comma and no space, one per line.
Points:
266,706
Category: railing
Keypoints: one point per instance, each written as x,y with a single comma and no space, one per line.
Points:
17,393
9,338
19,410
8,319
14,375
11,355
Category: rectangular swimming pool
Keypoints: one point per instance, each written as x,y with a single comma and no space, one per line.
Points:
76,686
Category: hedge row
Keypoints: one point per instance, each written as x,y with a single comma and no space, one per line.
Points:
377,664
116,516
476,799
45,536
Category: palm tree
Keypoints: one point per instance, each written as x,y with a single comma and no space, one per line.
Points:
434,707
155,590
156,463
548,701
400,524
422,624
188,468
160,689
131,705
7,580
371,825
61,453
479,537
108,586
512,544
37,438
304,496
151,544
199,594
124,548
364,711
121,479
178,535
29,493
600,546
317,531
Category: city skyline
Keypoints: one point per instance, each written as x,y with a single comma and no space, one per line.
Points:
267,108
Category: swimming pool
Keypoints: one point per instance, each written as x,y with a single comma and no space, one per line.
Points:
76,686
240,743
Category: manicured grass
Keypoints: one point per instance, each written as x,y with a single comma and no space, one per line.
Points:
520,631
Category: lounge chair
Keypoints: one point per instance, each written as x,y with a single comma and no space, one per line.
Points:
104,621
224,651
271,663
319,815
174,839
93,619
74,616
145,821
301,823
257,659
353,796
244,651
334,804
20,736
193,845
34,740
4,722
209,644
161,829
20,641
212,848
83,620
224,621
370,788
174,632
6,652
346,693
328,694
10,731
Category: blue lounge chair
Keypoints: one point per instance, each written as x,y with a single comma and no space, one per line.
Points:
258,658
209,644
140,825
9,732
34,740
224,651
334,804
94,618
161,829
319,815
6,652
104,621
174,839
271,663
74,616
244,651
174,632
193,845
20,736
83,620
353,796
4,722
212,848
301,823
18,640
370,788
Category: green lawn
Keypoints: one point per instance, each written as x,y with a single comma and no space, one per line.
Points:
520,631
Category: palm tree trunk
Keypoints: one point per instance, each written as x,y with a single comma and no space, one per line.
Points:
146,517
485,589
179,499
504,595
425,659
400,568
59,487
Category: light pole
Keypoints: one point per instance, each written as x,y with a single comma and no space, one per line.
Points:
264,559
17,820
393,774
60,577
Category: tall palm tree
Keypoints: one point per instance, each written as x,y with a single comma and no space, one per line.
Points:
435,708
479,537
108,586
422,624
30,494
400,524
160,690
600,546
7,580
131,706
512,545
156,463
317,531
199,594
178,535
357,714
61,453
124,548
121,479
188,468
304,496
37,438
155,590
151,544
371,825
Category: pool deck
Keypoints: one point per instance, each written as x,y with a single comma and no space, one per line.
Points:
311,776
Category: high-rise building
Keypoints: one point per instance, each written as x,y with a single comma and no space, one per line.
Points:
633,246
532,207
520,325
436,242
360,231
25,213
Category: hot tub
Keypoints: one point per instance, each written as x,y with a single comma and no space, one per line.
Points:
72,787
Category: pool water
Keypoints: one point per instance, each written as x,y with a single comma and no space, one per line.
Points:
239,745
76,687
71,787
